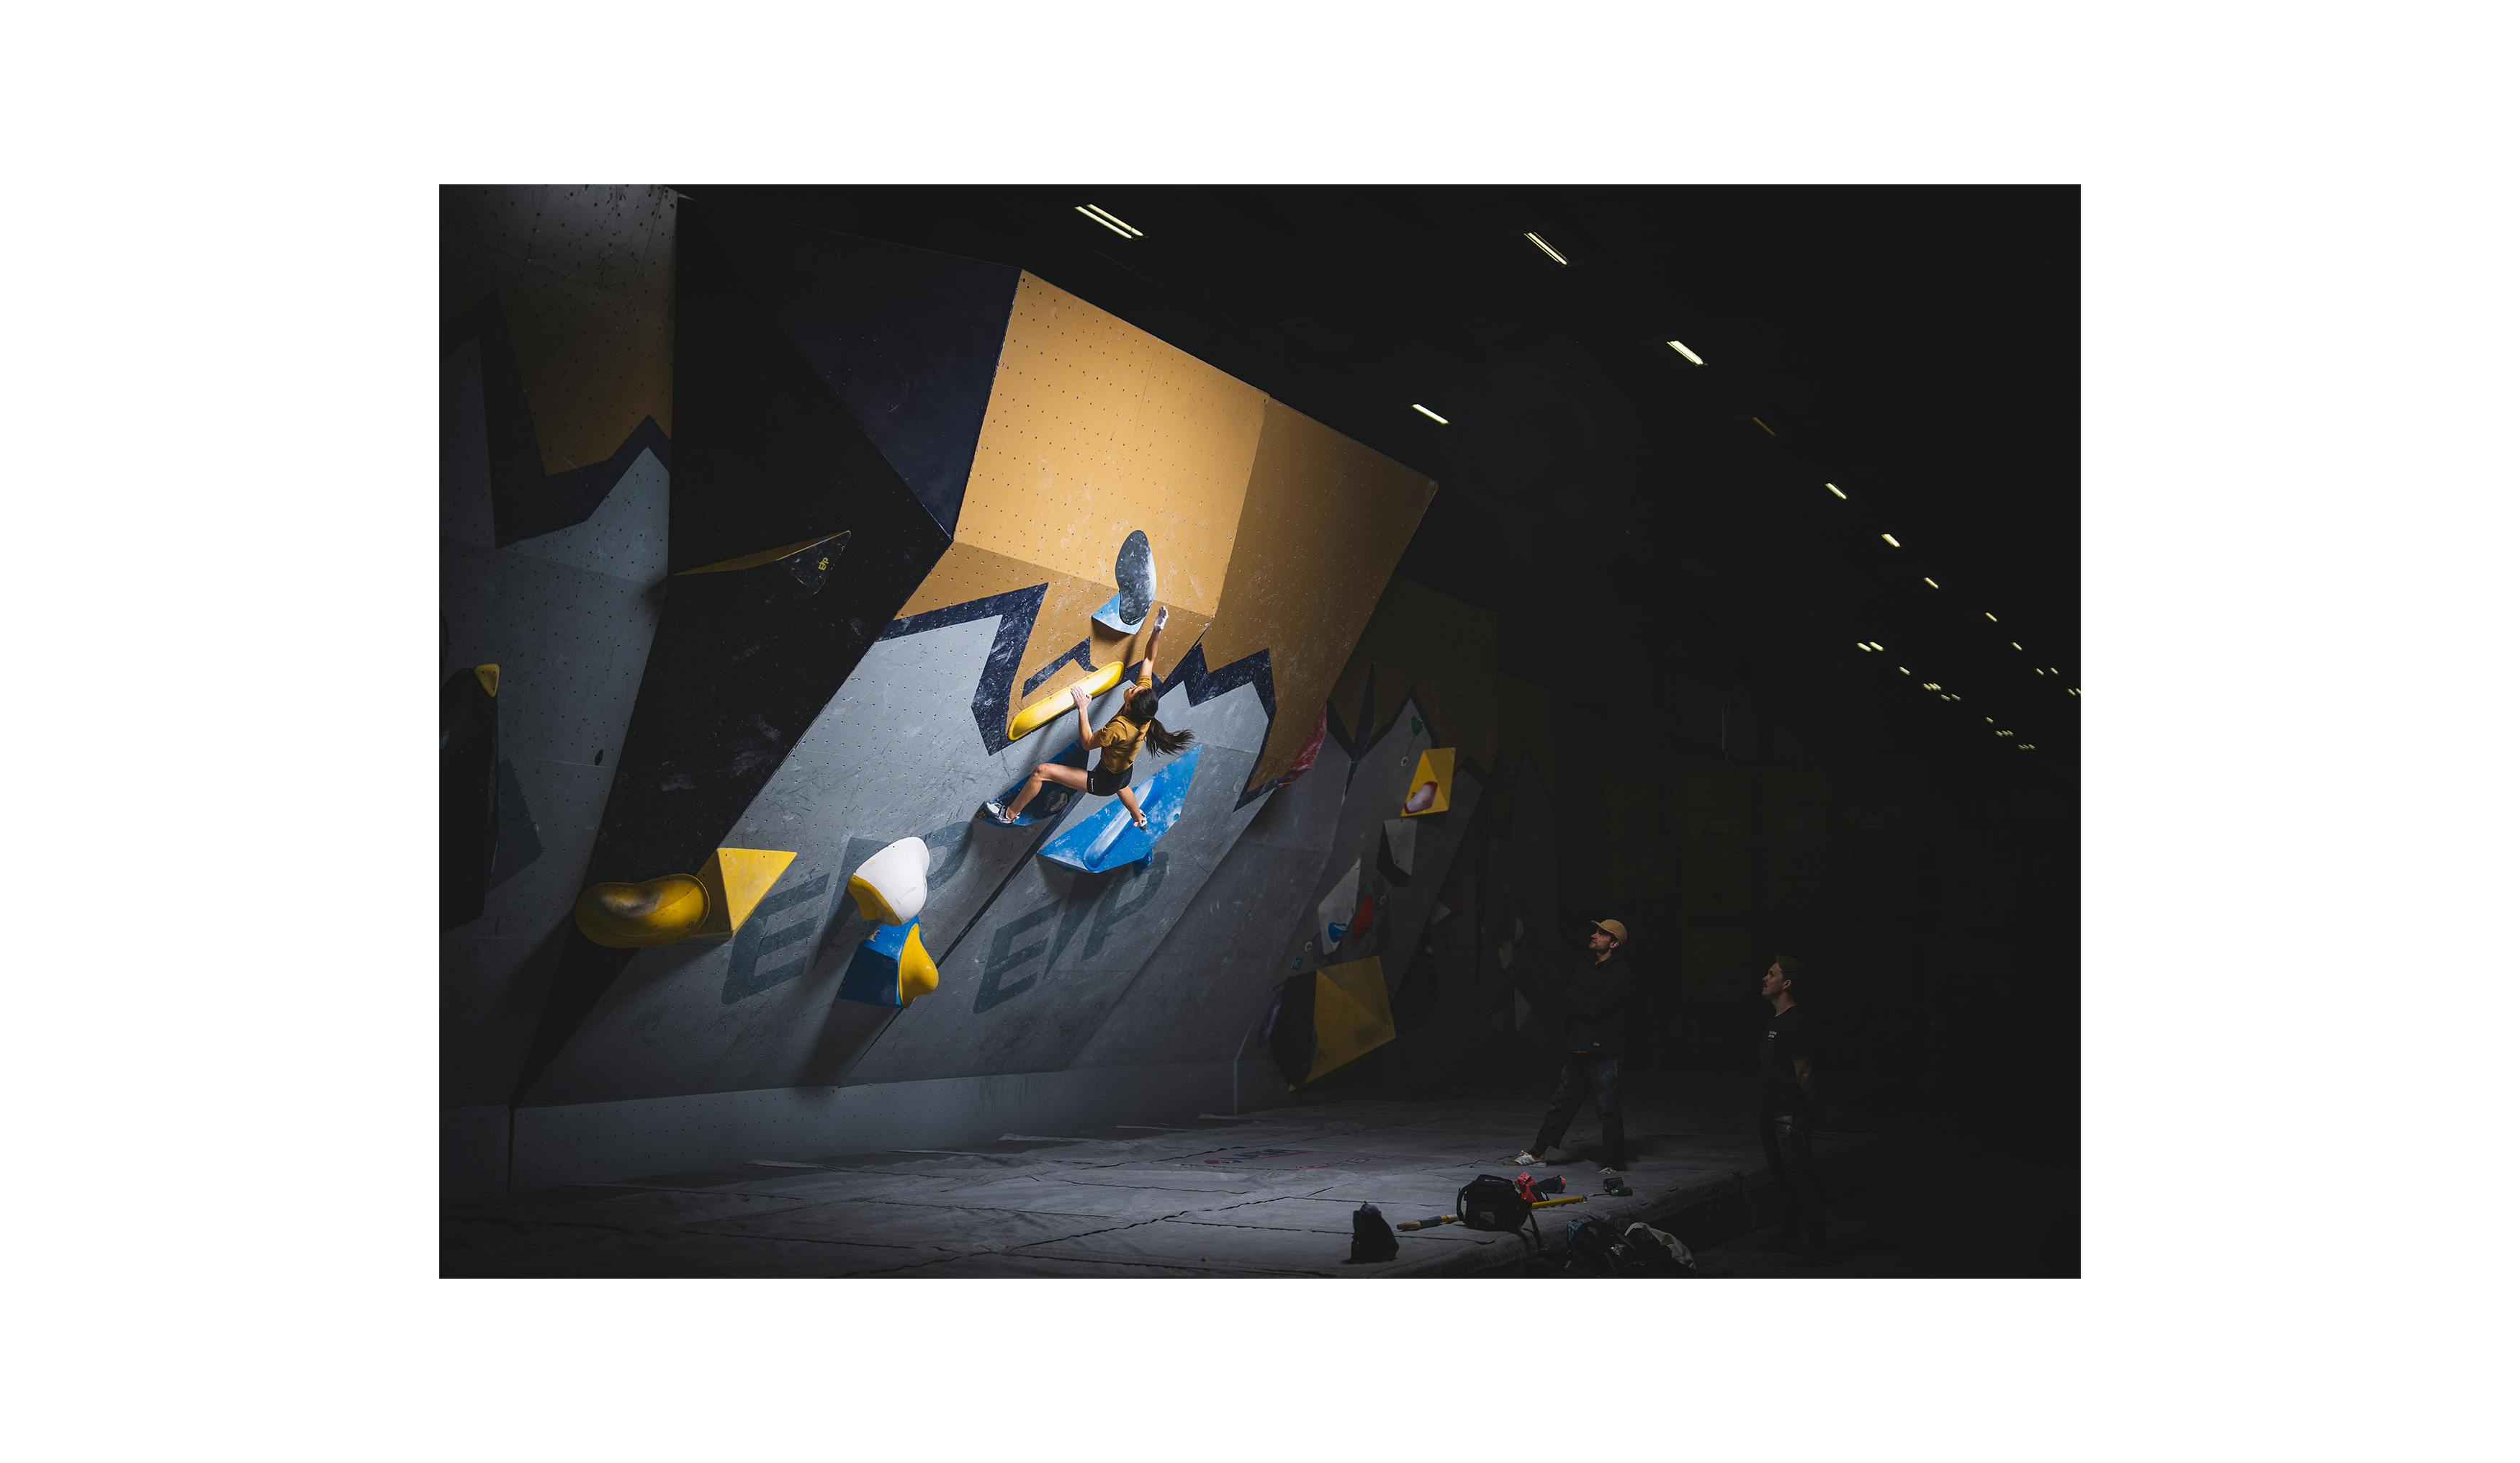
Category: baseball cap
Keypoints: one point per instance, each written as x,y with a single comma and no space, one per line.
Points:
1613,929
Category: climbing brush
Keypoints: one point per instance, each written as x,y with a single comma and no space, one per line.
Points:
1432,1220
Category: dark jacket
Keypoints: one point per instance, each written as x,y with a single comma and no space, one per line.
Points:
1596,1006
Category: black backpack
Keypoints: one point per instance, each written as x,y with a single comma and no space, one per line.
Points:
1374,1238
1593,1248
1488,1201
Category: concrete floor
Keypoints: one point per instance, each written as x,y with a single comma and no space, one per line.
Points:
1266,1194
1942,1207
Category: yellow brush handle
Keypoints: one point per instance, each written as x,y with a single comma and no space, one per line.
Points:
1453,1218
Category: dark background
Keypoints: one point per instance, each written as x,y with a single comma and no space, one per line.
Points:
1663,559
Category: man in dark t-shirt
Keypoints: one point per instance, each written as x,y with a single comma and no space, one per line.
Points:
1597,1042
1787,1107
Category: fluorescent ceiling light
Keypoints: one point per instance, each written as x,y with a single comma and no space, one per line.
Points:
1110,221
1430,413
2016,645
1763,427
1903,670
1693,358
1832,487
1892,542
1929,583
1545,248
1876,644
1861,646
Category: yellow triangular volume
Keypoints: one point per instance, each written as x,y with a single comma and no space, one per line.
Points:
1350,1017
1362,980
918,971
489,676
738,879
1341,1028
1430,787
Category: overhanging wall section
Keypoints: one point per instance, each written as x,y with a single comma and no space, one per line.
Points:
554,390
900,486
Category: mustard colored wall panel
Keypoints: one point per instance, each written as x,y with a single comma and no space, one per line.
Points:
1095,428
1322,525
969,573
585,277
1436,648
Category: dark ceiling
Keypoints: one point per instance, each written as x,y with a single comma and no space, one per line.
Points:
1916,347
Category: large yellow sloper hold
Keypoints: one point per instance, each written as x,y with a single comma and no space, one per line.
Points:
1430,787
635,916
1350,1014
711,904
1057,704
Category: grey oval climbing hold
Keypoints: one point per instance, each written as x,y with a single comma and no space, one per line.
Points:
1134,571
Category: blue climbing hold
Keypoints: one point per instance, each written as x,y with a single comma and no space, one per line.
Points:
891,968
1108,837
1112,618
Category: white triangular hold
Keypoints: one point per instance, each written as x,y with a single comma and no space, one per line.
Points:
1339,906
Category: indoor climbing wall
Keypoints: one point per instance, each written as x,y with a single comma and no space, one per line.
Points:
1381,907
1435,649
914,501
1202,992
1526,935
555,378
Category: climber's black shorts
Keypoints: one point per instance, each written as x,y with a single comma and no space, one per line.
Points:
1102,784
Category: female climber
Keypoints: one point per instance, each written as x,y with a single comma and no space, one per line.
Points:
1119,740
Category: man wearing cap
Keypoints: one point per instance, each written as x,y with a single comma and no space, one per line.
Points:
1596,1039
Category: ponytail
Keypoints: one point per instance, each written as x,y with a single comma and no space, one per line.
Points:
1141,708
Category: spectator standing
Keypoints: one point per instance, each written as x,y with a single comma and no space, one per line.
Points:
1787,1108
1597,994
